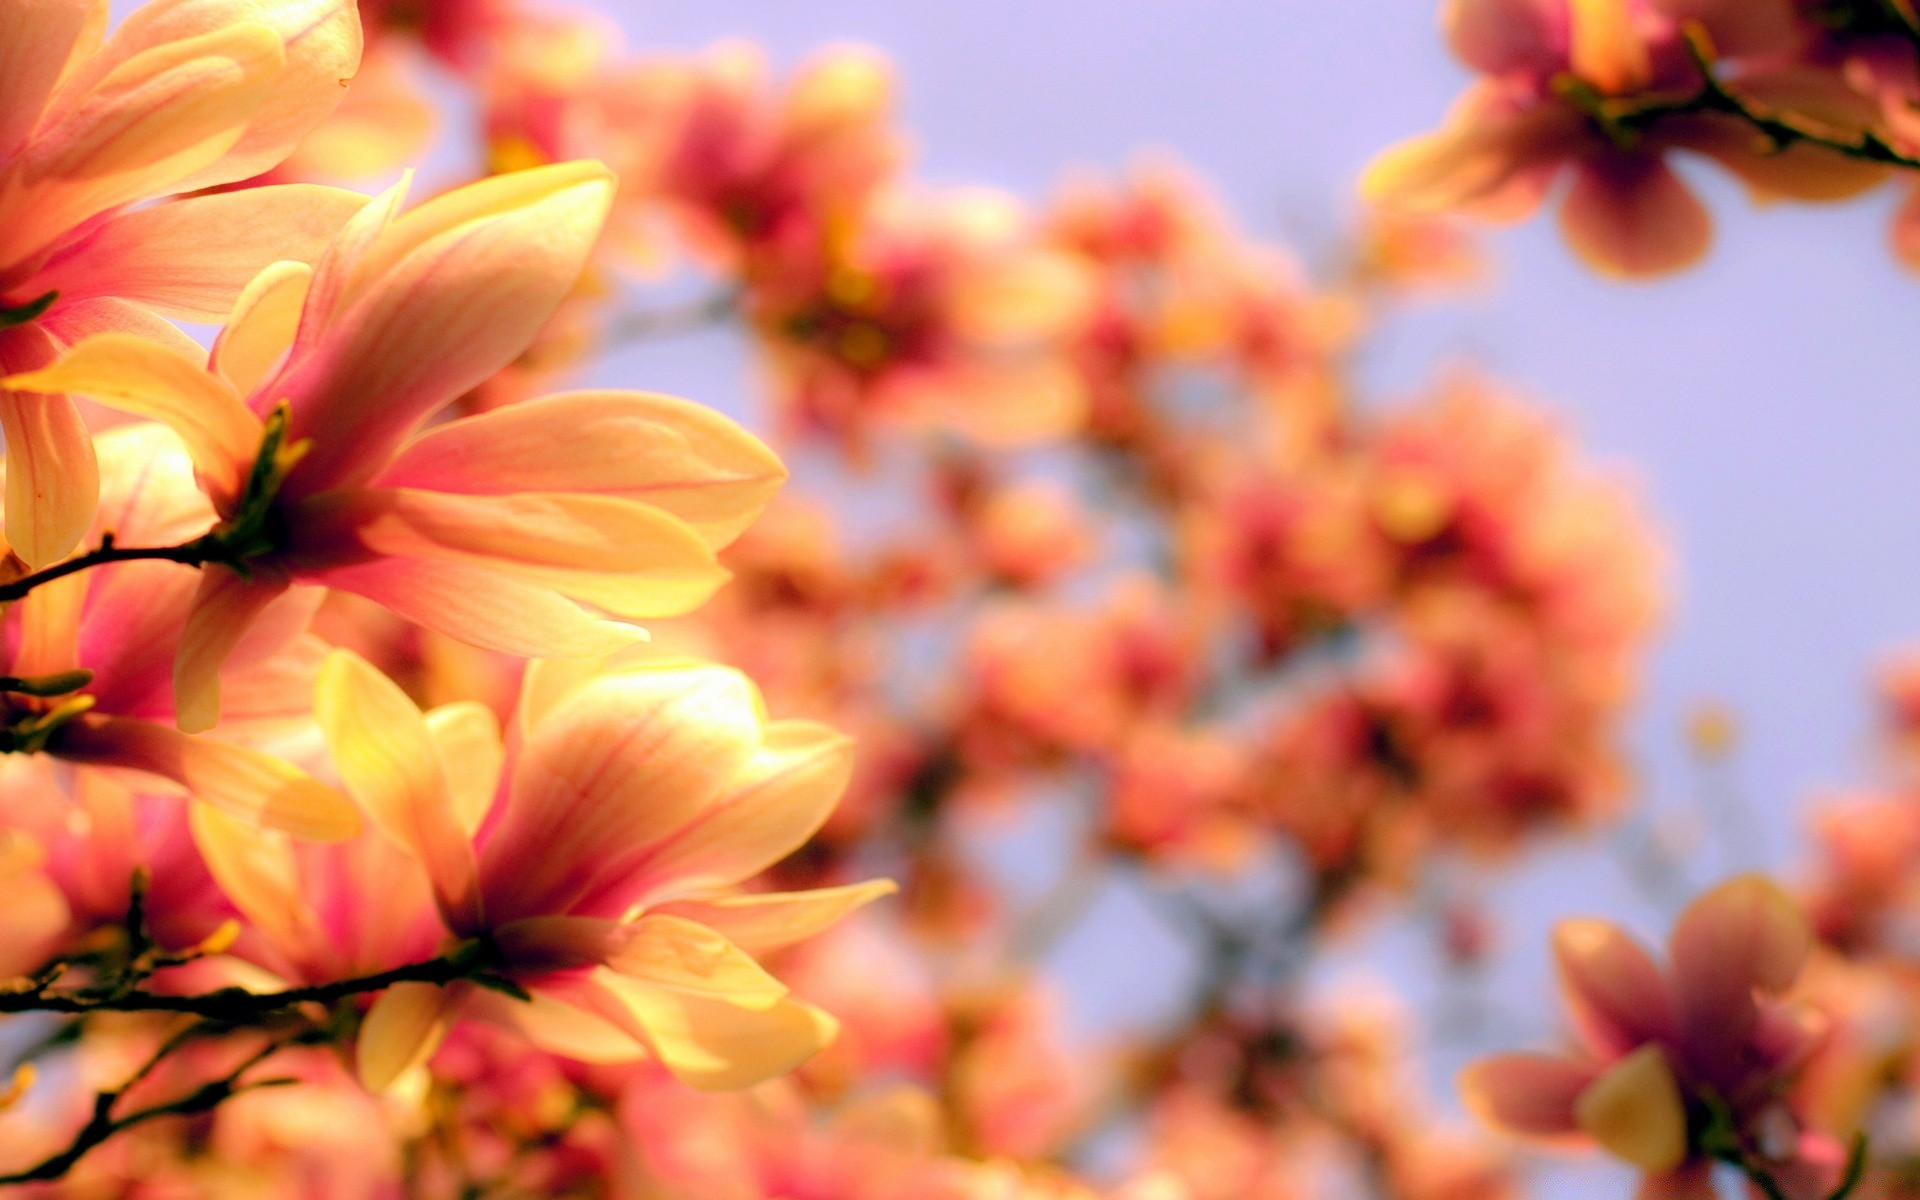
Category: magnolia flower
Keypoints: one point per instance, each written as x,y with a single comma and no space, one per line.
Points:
488,528
747,166
122,623
604,866
1546,66
938,311
186,94
1669,1061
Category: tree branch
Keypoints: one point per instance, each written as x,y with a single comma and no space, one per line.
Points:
1624,120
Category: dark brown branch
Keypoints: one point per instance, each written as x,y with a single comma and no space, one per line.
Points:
236,1006
102,1125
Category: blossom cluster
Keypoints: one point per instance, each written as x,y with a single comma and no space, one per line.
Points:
1810,101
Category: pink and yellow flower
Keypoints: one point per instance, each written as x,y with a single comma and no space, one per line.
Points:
123,622
1547,66
185,95
605,869
488,528
1679,1066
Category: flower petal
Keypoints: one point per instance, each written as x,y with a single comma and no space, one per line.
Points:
53,480
1529,1094
191,258
1614,991
151,121
385,753
482,606
673,454
1500,37
225,607
321,45
1742,937
615,768
623,556
132,374
400,1032
1630,217
780,798
36,38
247,783
1606,48
434,323
673,952
762,922
467,734
262,325
1635,1111
710,1044
256,870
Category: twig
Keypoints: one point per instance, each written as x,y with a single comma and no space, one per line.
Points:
646,324
1624,120
195,553
102,1125
472,961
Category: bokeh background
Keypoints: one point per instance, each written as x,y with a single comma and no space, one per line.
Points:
1763,405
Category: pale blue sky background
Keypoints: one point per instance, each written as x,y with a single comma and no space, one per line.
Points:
1765,403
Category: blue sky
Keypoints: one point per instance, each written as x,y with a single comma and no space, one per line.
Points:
1764,405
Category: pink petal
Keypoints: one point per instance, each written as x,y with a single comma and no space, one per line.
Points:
190,258
480,606
674,454
1742,937
1500,37
1630,217
1614,992
612,771
53,480
1531,1094
36,38
321,41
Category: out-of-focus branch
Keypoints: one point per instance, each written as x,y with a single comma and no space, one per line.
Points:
103,1125
647,324
1626,119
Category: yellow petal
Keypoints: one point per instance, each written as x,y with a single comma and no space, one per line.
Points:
224,609
612,770
36,37
150,122
321,44
628,558
715,1046
676,953
150,380
1635,1111
492,197
383,750
779,799
247,783
257,872
262,325
1607,50
467,734
400,1032
53,479
762,922
678,456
